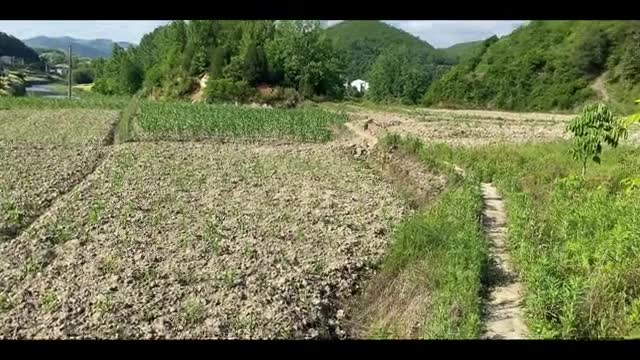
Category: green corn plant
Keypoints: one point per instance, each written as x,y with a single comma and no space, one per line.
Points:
595,126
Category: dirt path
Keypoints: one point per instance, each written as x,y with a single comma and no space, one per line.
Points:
504,307
599,87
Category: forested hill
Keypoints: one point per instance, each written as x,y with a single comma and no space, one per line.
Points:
547,65
293,56
11,46
363,41
462,51
86,48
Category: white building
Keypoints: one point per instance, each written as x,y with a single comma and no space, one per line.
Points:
8,60
361,85
60,69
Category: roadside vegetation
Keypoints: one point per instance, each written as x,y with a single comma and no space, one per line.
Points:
574,239
430,282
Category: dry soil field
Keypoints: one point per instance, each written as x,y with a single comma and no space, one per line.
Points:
204,239
43,153
200,240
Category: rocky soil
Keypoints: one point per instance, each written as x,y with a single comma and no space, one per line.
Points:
464,130
201,240
43,154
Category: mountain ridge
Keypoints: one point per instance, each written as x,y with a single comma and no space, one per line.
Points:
91,48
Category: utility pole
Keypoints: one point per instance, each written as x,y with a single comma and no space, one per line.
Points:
69,72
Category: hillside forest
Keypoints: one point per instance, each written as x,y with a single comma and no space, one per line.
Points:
541,66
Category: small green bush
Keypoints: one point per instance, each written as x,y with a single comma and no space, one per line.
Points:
221,90
83,76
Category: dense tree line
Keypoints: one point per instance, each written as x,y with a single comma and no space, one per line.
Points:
237,55
402,74
363,41
543,65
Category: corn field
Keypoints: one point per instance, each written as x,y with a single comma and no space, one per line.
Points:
172,120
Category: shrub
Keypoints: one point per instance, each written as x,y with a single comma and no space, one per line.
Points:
280,97
153,77
596,125
82,76
220,90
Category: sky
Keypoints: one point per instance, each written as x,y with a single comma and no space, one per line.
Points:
439,33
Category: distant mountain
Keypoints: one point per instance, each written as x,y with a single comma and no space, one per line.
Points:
11,46
461,51
84,48
364,40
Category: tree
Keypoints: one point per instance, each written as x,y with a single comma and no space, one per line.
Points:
83,75
305,57
595,126
131,77
255,64
591,51
401,74
218,61
631,59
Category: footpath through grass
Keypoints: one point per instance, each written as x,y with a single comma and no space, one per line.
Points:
576,242
430,282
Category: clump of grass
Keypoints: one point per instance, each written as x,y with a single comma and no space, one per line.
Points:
59,233
49,301
5,303
109,265
193,310
11,212
229,278
96,211
213,236
178,120
32,265
104,304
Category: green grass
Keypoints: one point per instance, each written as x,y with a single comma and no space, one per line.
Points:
440,253
49,301
184,121
193,310
576,242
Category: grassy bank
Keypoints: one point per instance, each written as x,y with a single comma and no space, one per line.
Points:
430,282
576,242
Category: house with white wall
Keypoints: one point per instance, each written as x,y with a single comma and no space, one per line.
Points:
361,85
